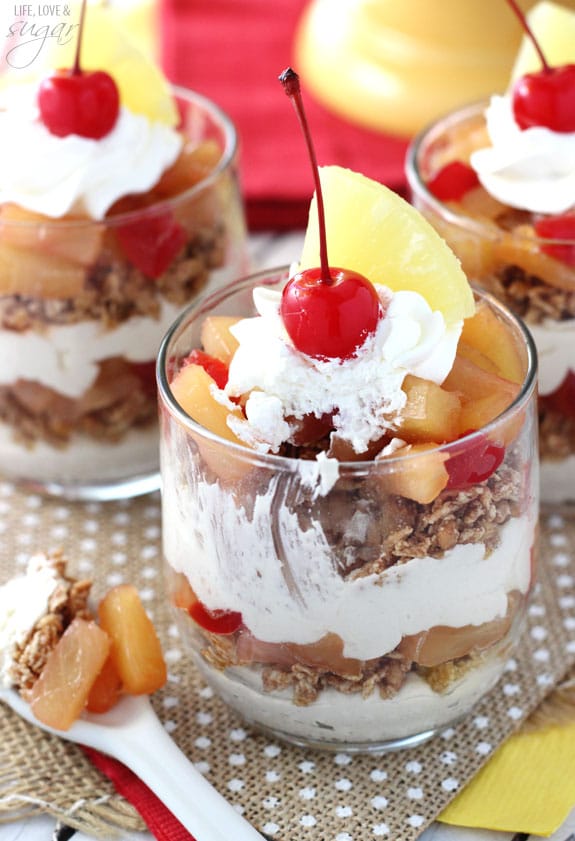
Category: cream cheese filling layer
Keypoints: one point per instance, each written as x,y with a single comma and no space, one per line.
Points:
65,357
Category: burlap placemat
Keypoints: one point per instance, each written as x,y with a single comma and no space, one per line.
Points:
286,792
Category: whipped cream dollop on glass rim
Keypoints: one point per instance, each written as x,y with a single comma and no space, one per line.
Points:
363,394
56,176
531,169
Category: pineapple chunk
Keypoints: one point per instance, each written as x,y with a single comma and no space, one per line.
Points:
74,239
136,652
430,413
37,275
442,643
523,249
194,163
217,339
477,413
59,695
474,355
472,382
106,689
373,231
191,388
486,332
484,395
421,479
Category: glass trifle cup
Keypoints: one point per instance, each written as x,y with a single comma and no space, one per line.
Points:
519,257
84,303
346,605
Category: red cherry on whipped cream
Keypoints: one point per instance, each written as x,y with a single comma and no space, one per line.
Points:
545,98
76,102
327,312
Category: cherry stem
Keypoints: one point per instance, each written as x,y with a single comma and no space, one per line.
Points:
290,81
529,32
76,70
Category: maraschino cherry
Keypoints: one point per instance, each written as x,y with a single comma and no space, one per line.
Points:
327,312
547,97
75,102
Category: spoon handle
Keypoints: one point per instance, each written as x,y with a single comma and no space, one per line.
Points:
152,755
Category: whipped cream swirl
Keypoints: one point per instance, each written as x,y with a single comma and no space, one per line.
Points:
363,393
531,169
59,175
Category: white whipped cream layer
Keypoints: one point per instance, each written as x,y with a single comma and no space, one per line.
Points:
282,579
59,175
23,601
364,392
66,357
533,169
555,341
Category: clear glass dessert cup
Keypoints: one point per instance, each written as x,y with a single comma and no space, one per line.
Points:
84,305
534,276
321,600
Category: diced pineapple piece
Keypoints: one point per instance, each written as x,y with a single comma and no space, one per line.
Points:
136,651
477,357
105,690
326,654
476,414
421,479
442,643
486,332
479,204
194,163
430,413
523,249
191,388
472,382
37,275
217,339
73,239
484,396
59,695
372,230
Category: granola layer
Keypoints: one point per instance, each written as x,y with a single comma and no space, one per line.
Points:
116,291
69,599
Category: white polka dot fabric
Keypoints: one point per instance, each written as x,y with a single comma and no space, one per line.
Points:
287,792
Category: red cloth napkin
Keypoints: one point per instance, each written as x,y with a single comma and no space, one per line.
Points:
233,52
161,823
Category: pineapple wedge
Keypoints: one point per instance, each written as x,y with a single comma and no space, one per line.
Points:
106,45
554,27
372,230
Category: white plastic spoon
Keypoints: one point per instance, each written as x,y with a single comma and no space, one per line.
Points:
132,733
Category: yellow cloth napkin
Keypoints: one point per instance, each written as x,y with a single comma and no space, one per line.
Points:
528,786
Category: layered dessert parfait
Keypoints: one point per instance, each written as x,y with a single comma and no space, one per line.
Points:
349,481
66,658
118,204
497,181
